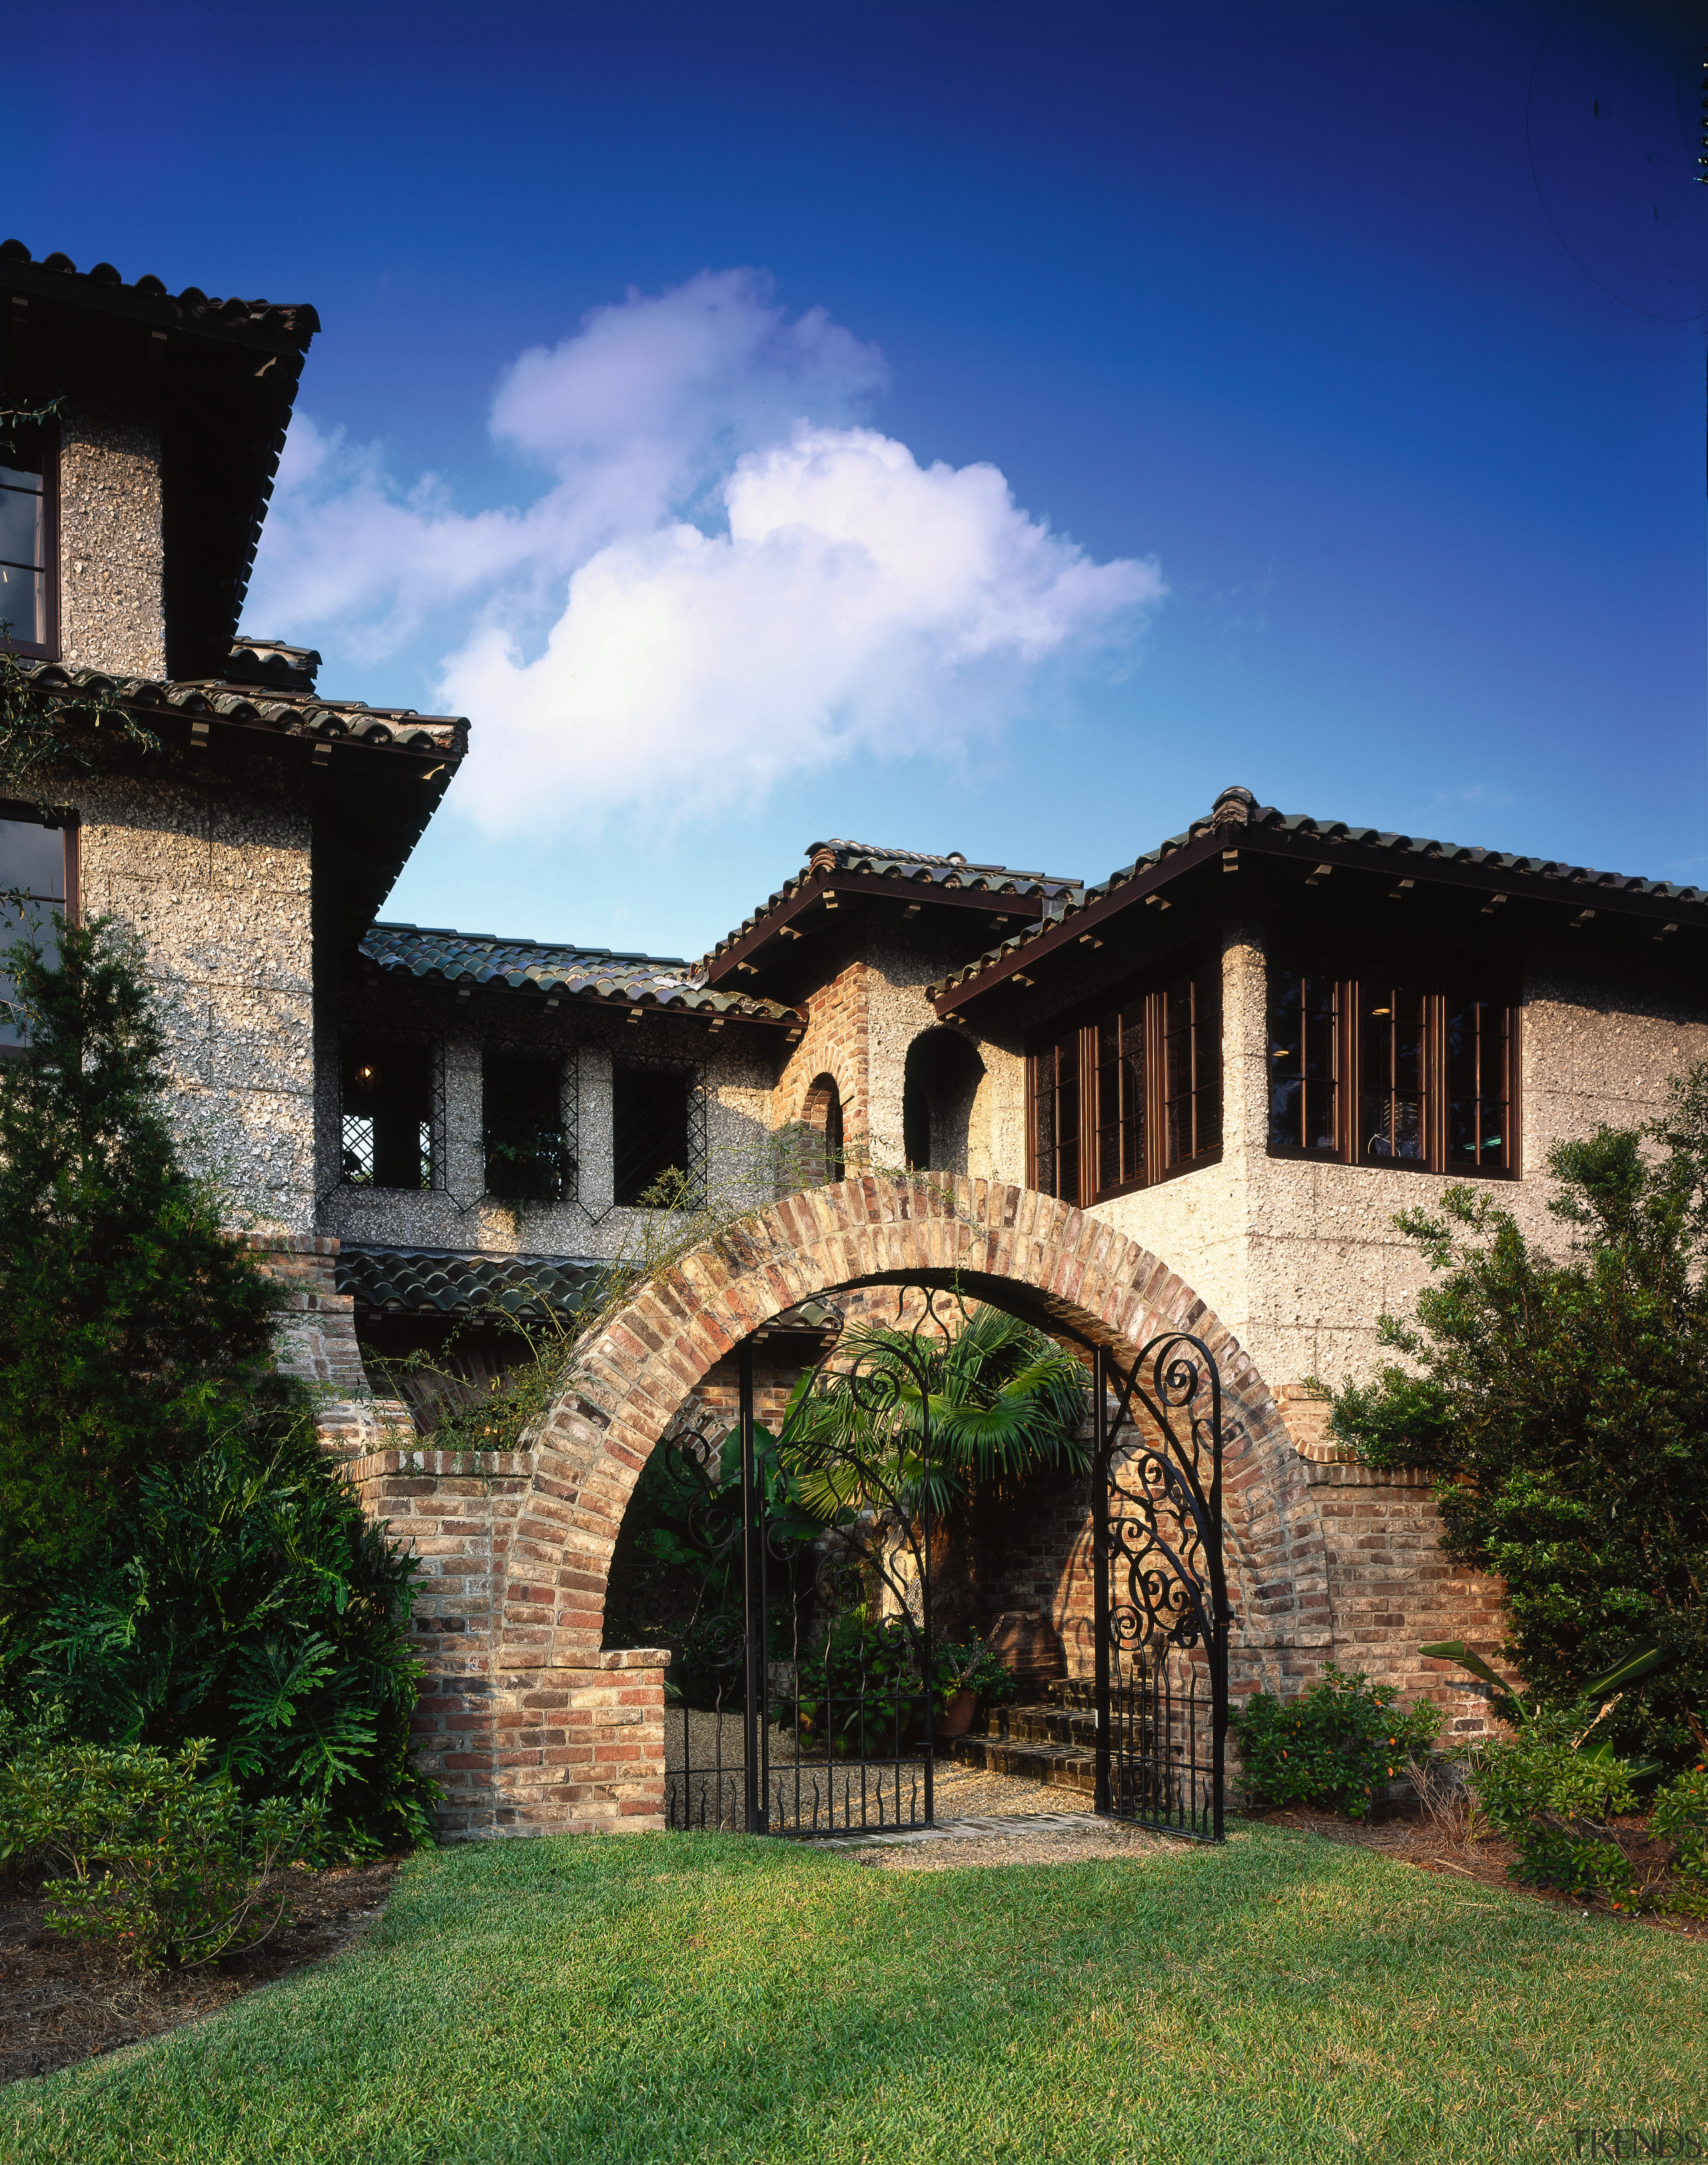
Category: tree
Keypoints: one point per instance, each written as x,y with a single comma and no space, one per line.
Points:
132,1327
178,1557
1563,1408
1003,1401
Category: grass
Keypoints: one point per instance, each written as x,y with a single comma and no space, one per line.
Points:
682,1997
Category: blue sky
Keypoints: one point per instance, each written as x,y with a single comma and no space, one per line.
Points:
978,428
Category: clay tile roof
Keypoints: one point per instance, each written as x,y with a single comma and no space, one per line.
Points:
265,708
1237,814
918,866
275,322
446,1282
544,966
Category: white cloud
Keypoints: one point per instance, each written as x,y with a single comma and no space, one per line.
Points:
725,579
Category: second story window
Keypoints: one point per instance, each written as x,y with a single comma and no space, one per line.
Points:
658,1131
1393,1068
27,612
385,1118
38,880
527,1150
1131,1092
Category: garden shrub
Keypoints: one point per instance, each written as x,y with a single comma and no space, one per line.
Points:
858,1688
247,1601
1539,1790
131,1325
168,1867
1680,1818
1337,1745
1563,1408
179,1558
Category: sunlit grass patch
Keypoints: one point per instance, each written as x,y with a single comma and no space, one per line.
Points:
680,1998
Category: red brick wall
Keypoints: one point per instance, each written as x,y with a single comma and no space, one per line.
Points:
835,1043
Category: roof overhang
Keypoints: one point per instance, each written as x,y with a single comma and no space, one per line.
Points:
1330,870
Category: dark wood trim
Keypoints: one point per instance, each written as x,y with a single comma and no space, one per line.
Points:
866,886
1432,975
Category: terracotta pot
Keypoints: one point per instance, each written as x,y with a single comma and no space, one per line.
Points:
958,1718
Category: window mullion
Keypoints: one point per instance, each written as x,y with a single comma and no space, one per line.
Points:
1090,1114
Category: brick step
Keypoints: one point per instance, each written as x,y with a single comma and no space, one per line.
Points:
1079,1692
1042,1724
1063,1766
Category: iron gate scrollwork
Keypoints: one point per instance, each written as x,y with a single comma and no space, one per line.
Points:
1162,1611
802,1688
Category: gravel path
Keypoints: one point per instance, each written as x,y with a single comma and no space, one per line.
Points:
1093,1839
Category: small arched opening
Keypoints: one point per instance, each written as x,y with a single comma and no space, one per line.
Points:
939,1084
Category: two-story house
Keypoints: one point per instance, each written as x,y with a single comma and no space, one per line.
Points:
1227,1065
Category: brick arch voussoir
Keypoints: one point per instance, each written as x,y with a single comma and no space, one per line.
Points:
1046,1259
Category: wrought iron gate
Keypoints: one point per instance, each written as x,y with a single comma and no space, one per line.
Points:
805,1670
1162,1612
803,1686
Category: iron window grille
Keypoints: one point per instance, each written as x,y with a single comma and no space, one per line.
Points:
37,880
1129,1092
524,1132
388,1115
658,1127
29,541
1404,1068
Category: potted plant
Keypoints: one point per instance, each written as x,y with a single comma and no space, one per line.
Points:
964,1676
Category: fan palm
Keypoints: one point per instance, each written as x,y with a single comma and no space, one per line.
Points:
998,1398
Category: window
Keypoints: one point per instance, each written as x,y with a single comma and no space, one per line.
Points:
1390,1068
1120,1098
1131,1092
1304,1061
38,876
1055,1119
1192,1050
387,1125
27,583
527,1151
654,1129
1477,1034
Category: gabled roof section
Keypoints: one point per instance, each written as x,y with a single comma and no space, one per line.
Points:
835,868
377,773
543,968
222,376
1237,828
262,710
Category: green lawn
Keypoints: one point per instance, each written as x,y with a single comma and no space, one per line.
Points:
680,1998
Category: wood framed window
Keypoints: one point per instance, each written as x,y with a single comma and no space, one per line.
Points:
1305,1063
38,881
1129,1092
1408,1068
1056,1093
29,541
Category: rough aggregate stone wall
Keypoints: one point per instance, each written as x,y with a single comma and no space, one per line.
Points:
111,554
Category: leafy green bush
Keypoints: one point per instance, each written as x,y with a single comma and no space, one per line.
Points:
859,1689
1563,1408
1680,1817
179,1558
1337,1745
131,1326
248,1602
168,1868
1539,1791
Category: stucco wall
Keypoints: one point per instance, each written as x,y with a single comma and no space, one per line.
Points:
112,550
207,865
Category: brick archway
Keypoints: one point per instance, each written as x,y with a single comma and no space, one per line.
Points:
573,1733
